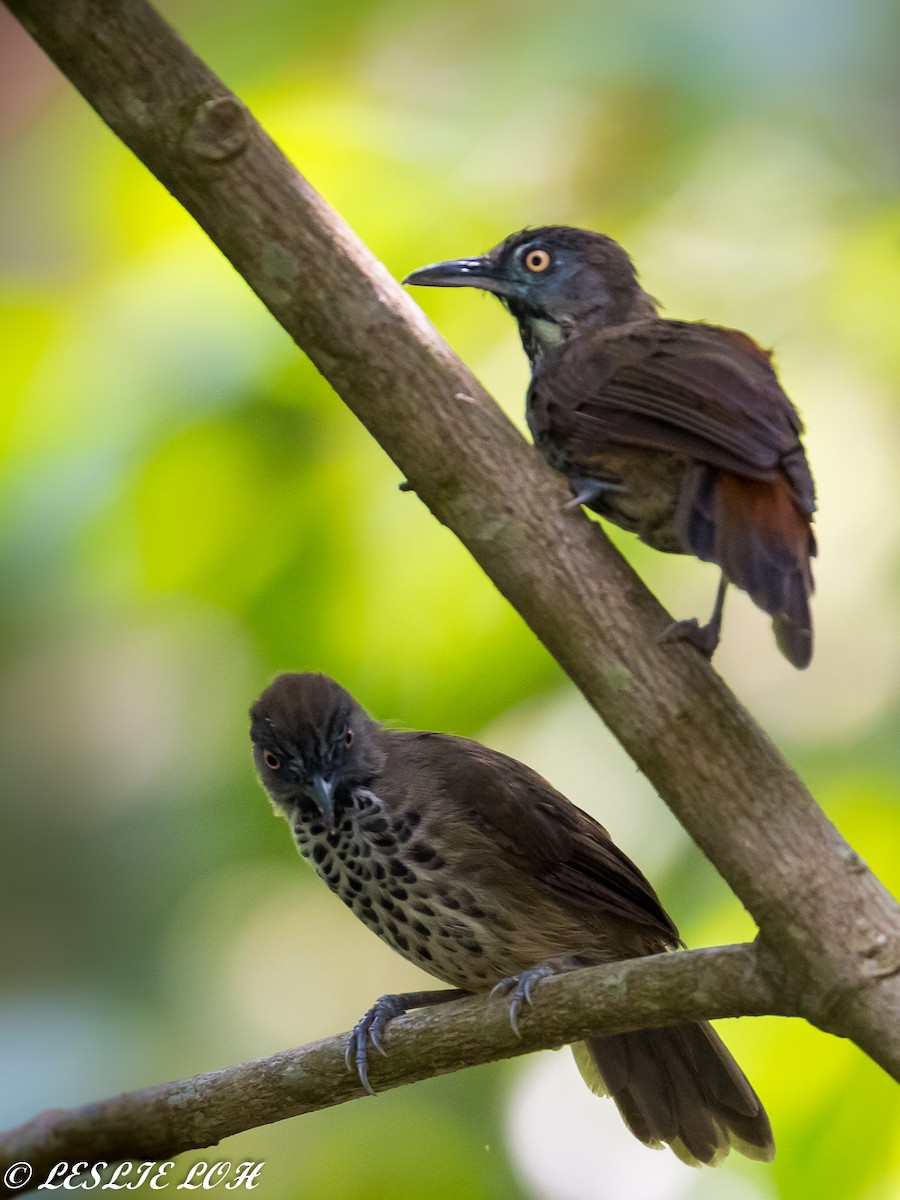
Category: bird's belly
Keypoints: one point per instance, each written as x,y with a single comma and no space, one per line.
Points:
403,894
650,484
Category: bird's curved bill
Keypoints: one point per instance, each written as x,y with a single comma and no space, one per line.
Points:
320,791
459,272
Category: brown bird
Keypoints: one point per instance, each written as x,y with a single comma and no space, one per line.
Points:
675,430
473,867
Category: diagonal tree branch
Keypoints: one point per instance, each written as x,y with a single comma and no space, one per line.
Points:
832,926
160,1122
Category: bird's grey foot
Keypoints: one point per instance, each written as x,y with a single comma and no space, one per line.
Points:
586,491
704,637
521,986
369,1030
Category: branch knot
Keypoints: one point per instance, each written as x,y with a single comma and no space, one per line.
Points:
219,129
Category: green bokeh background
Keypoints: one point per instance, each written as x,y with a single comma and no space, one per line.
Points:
187,509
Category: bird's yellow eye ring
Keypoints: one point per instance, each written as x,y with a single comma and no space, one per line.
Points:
537,261
272,761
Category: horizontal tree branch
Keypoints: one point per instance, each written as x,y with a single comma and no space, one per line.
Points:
832,925
159,1122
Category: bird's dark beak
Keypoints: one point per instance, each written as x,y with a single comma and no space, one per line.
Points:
320,793
460,272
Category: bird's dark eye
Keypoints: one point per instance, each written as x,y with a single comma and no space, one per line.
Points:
348,739
537,261
271,759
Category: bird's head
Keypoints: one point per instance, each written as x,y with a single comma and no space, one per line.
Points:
312,742
555,281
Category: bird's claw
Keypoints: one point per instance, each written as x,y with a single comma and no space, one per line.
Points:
369,1029
704,637
586,491
521,986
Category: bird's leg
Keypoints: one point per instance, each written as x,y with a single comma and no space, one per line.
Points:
370,1028
704,637
586,491
523,984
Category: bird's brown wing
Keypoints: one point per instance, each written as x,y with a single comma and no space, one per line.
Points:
688,388
547,837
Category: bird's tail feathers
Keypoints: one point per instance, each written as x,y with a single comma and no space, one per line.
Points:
680,1087
761,538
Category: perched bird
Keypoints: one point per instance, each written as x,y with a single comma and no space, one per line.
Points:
675,430
473,867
